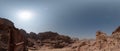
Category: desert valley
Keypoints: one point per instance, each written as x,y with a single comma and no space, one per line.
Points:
53,41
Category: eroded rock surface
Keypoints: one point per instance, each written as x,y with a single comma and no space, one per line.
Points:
103,42
53,40
10,36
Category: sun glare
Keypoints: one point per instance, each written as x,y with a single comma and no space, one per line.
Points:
25,15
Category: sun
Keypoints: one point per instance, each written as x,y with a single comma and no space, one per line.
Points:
25,15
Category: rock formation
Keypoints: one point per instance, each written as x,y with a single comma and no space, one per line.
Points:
45,39
102,42
49,39
4,31
53,40
11,39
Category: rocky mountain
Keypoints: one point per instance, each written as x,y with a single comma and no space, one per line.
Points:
51,39
57,42
102,42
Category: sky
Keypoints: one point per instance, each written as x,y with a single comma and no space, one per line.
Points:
75,18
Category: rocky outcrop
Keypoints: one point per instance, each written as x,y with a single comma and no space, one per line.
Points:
116,33
49,39
9,36
103,42
53,40
101,39
101,36
5,26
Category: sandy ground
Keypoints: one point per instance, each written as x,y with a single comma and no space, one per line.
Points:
64,49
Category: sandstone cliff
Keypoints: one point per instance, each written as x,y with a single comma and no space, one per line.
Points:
102,42
53,40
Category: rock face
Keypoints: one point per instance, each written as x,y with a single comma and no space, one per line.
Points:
49,39
53,40
4,31
10,37
101,39
116,33
102,42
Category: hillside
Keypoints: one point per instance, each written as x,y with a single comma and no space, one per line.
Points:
53,41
